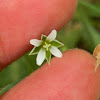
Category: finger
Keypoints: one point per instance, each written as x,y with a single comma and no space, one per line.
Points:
22,20
72,77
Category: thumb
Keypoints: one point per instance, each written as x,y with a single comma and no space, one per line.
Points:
22,20
72,77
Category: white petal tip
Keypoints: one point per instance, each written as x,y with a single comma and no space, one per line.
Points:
56,52
59,55
38,64
41,57
54,30
52,35
30,41
35,42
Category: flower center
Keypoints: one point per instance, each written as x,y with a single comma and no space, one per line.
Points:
46,46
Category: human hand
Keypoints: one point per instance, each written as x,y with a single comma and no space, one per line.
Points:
70,78
23,20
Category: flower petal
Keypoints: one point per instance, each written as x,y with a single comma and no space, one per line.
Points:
55,51
52,36
41,56
36,42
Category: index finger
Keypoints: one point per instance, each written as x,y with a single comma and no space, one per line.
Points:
23,20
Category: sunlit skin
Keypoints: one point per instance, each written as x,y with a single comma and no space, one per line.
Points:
71,77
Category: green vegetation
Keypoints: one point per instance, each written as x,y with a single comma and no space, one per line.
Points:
82,32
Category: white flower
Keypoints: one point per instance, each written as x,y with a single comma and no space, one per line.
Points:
45,47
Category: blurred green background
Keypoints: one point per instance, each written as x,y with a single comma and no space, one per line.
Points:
83,31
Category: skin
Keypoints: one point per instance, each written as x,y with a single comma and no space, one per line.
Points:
22,20
70,78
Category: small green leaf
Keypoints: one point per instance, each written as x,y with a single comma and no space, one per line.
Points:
35,50
43,38
57,43
48,56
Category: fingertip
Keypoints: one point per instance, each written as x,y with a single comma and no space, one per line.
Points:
78,57
71,77
18,30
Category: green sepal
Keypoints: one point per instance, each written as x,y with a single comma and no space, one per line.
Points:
43,37
35,50
56,43
48,56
